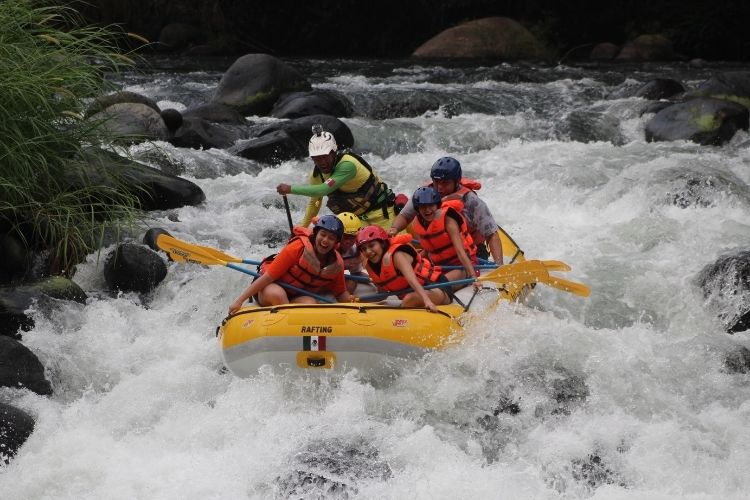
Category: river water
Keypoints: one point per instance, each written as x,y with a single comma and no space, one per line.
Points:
620,395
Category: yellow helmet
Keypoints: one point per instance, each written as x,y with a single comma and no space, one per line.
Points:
352,223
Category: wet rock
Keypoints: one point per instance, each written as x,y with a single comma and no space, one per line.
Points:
134,268
726,288
488,38
738,361
132,122
698,187
732,86
155,190
254,82
15,428
332,468
648,48
272,148
16,299
655,107
660,88
14,259
405,106
172,119
19,368
124,96
703,120
604,51
216,112
301,130
273,237
313,102
198,133
150,237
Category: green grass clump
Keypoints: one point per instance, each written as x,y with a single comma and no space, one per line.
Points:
50,65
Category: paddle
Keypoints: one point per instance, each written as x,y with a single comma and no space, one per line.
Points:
181,251
520,273
185,252
550,265
288,214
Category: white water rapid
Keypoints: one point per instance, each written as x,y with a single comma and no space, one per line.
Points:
621,395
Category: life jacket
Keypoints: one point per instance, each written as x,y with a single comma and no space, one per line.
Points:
307,272
466,186
437,242
390,279
362,194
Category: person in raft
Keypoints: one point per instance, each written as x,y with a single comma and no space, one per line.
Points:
348,247
309,261
447,179
346,179
443,233
393,264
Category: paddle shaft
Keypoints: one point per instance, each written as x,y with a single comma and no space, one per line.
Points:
288,214
383,295
282,284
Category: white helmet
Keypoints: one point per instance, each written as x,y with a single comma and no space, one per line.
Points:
321,142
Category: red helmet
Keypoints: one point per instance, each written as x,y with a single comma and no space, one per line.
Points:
371,233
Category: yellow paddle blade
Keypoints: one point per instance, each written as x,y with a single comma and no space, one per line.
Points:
181,251
535,271
555,265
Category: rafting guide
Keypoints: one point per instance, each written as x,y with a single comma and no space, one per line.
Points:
348,181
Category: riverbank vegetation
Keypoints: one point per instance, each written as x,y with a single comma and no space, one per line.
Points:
51,63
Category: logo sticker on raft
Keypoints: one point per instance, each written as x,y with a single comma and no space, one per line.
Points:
248,323
316,329
314,343
400,323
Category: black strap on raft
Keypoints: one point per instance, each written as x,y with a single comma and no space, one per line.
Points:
448,291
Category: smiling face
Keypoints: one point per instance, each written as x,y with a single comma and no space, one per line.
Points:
427,212
372,250
324,162
444,187
347,242
325,241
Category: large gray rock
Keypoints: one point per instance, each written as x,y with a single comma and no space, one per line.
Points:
123,96
20,368
134,268
726,288
701,120
16,299
314,102
648,48
198,133
255,81
15,428
731,86
132,122
488,38
154,189
660,88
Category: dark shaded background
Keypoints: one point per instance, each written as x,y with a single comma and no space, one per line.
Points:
714,30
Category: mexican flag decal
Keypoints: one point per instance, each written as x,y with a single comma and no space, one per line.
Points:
314,343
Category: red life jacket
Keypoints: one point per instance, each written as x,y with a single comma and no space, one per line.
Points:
436,241
465,186
390,279
307,273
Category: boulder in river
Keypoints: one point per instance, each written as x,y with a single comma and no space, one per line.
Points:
19,368
726,288
15,428
312,102
132,122
16,299
254,82
487,38
703,120
134,268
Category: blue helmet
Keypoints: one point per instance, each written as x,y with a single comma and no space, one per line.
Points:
425,196
330,223
446,168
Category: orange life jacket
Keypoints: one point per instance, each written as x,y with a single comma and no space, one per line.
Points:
390,279
307,273
465,186
436,241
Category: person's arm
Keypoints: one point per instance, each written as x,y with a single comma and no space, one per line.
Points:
403,262
496,248
403,219
255,287
342,173
454,231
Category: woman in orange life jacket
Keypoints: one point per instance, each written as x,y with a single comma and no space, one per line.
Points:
393,264
308,261
443,233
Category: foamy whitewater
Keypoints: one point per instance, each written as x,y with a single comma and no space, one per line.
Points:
620,395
